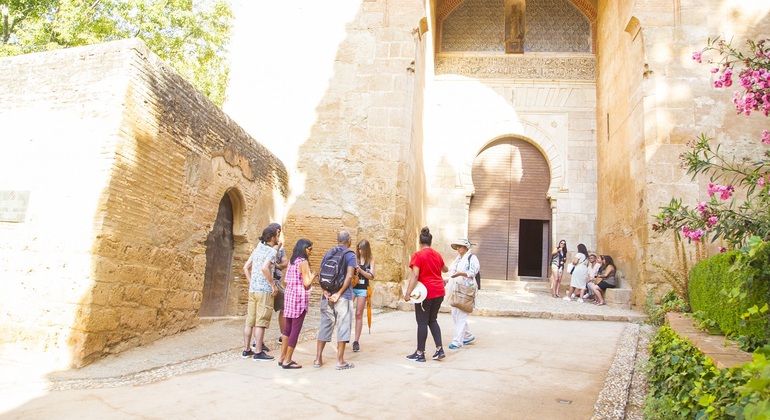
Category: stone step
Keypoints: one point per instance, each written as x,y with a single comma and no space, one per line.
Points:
513,285
724,353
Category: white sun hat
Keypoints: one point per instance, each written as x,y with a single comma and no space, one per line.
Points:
461,242
418,294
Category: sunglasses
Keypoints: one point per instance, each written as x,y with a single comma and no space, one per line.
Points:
310,248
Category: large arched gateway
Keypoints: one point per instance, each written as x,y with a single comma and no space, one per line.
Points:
510,216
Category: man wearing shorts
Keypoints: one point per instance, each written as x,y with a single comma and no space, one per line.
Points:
336,309
262,290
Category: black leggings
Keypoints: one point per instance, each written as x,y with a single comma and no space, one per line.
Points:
426,314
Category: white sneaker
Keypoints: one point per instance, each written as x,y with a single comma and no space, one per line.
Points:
567,298
580,300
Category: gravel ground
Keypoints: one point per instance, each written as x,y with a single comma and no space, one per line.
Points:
625,387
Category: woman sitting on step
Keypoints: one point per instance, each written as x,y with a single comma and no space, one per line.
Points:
608,280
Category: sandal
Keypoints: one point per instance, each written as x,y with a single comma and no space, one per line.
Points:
292,365
600,303
345,366
317,364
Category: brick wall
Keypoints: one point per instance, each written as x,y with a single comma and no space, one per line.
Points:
126,164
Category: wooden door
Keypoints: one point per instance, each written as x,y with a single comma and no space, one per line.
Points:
511,178
219,259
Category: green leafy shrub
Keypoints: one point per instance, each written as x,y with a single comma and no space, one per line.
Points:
675,370
684,383
670,302
709,279
755,395
729,291
754,265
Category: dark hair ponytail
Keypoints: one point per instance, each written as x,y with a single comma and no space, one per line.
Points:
425,237
268,234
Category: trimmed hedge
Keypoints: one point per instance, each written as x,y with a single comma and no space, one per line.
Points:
724,292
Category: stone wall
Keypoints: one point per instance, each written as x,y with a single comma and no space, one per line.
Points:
558,118
381,147
652,100
126,164
359,166
475,98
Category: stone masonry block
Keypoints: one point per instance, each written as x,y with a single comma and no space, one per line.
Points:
618,298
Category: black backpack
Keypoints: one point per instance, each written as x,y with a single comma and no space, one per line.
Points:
478,274
334,269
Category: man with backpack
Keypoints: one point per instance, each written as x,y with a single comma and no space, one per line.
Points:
335,277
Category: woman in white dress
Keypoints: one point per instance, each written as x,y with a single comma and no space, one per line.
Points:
463,270
577,284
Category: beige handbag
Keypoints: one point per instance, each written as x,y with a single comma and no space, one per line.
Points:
463,297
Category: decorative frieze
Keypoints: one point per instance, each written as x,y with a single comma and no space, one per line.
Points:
519,67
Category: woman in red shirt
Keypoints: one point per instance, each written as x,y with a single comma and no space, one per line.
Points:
427,266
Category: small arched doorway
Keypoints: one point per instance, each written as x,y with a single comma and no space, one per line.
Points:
219,259
510,216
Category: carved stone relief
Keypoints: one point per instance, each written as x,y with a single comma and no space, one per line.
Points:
519,67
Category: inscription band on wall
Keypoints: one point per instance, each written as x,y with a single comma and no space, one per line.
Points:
519,67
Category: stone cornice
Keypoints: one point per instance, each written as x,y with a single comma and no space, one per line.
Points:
519,67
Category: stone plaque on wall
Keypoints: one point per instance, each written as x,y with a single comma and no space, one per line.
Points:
13,206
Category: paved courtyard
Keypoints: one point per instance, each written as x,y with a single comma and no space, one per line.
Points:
521,367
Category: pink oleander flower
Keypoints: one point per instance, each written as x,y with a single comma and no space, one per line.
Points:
765,136
761,182
725,191
694,235
714,70
722,250
697,56
702,207
713,220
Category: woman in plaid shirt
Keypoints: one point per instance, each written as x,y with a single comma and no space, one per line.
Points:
296,299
